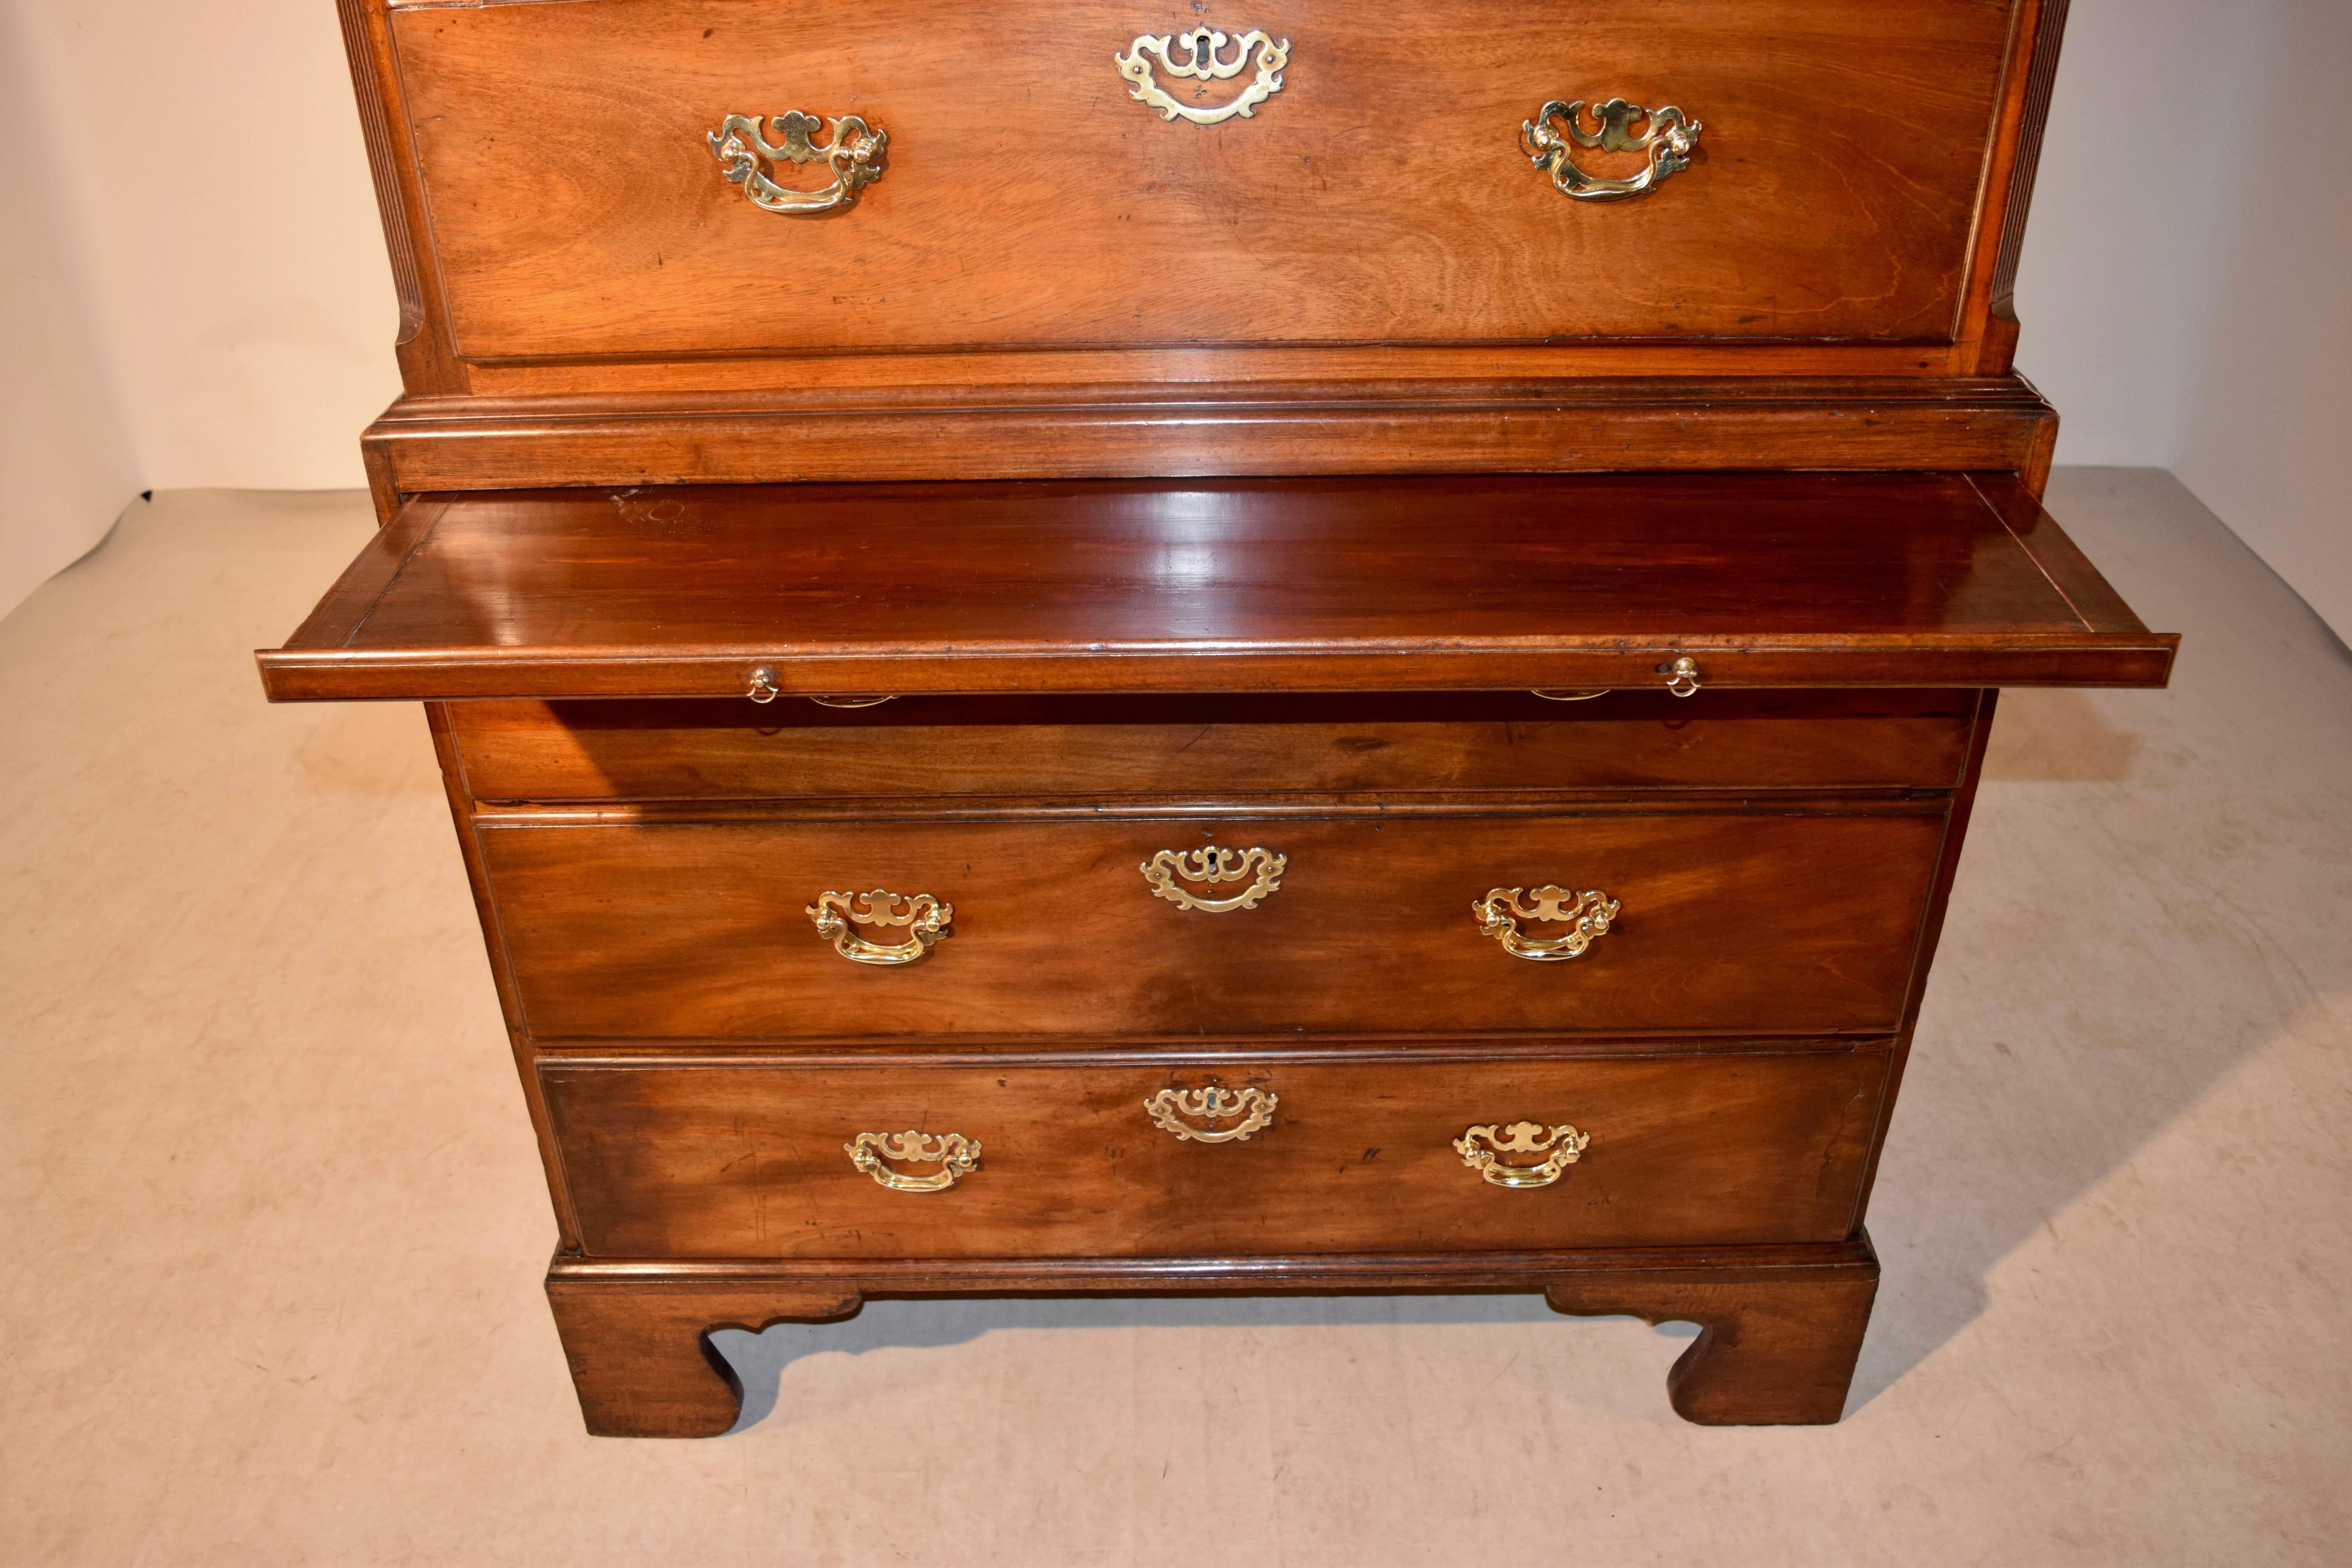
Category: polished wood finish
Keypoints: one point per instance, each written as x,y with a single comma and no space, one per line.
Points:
1833,196
367,43
1931,929
1882,199
712,1159
1776,1347
1029,420
1769,579
696,930
2029,106
1113,751
1892,130
469,846
641,1356
2088,595
1187,486
1781,1324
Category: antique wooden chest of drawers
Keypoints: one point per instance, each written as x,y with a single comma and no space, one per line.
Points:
1084,649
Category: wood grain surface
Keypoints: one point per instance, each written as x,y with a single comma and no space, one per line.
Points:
1784,923
1116,634
1380,197
1773,1349
1210,412
1104,749
1780,1325
1489,582
747,1160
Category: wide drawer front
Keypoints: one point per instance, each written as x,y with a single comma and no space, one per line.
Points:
1203,747
728,1161
1786,923
616,177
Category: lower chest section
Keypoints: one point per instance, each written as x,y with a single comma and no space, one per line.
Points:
1239,977
1240,1154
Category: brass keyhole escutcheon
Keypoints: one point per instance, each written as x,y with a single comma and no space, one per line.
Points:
1261,868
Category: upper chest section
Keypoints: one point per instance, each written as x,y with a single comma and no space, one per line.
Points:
703,185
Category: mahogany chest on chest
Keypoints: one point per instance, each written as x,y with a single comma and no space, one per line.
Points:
1090,647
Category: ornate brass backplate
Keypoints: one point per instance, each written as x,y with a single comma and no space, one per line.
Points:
925,918
1499,912
1169,1108
1668,137
853,151
1200,62
1482,1149
1263,869
956,1155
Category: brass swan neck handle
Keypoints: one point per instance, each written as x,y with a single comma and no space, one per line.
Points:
924,916
852,150
1586,914
1668,136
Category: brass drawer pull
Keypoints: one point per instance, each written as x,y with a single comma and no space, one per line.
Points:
852,151
1482,1149
1499,912
1200,48
956,1155
1213,865
1682,675
1668,137
1169,1108
925,918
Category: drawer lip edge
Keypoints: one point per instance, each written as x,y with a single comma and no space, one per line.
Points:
1662,800
1271,1271
1861,661
905,1054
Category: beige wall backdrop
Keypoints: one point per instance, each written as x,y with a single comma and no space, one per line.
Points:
2186,285
195,291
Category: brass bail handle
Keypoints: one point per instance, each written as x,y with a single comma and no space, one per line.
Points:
1682,679
1483,1148
1668,136
924,919
956,1155
1589,916
852,153
762,687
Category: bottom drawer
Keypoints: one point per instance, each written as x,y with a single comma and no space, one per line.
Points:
706,1159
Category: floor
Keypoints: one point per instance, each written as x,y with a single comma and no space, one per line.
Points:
275,1224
